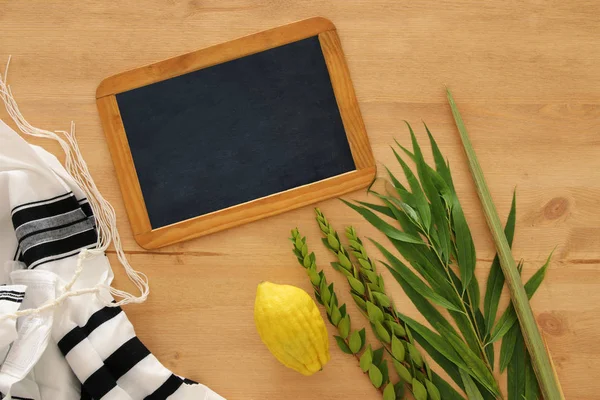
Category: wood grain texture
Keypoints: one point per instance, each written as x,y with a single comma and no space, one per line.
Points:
250,211
346,99
213,55
526,76
123,161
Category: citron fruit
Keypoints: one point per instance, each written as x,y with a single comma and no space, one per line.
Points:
290,325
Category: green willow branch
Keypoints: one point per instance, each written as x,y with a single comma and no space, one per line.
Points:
540,359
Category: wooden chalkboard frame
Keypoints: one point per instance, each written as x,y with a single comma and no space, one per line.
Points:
150,238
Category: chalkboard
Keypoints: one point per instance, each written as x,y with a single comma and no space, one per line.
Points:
221,137
235,132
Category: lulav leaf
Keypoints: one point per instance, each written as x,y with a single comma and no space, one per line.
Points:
495,280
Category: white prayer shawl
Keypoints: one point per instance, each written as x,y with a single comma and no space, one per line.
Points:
77,345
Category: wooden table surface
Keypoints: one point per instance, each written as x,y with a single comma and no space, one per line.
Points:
526,76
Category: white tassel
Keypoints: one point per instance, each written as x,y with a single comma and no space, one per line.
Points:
104,213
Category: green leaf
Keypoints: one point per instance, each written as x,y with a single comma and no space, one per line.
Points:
476,366
324,291
336,316
440,164
418,390
366,359
344,261
401,271
342,345
365,265
424,261
398,350
438,211
396,182
470,388
389,393
355,342
360,302
375,376
448,366
333,242
532,390
383,367
438,342
377,207
464,244
397,212
474,296
415,355
516,371
495,280
374,312
508,346
383,226
382,333
396,328
433,316
344,326
402,371
509,317
362,335
447,392
356,285
432,390
382,299
419,197
378,355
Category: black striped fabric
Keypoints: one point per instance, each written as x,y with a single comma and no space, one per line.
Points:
11,295
126,357
53,229
122,360
79,334
99,383
169,387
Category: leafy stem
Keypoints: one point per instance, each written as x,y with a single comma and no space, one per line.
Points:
465,310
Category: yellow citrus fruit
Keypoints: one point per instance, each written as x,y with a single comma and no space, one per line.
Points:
290,325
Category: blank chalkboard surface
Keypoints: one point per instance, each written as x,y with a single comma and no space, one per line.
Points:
235,132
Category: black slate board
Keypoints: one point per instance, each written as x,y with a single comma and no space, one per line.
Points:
235,132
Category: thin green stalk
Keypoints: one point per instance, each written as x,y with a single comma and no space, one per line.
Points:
540,359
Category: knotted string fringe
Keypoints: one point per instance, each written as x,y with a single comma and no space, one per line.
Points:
104,213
